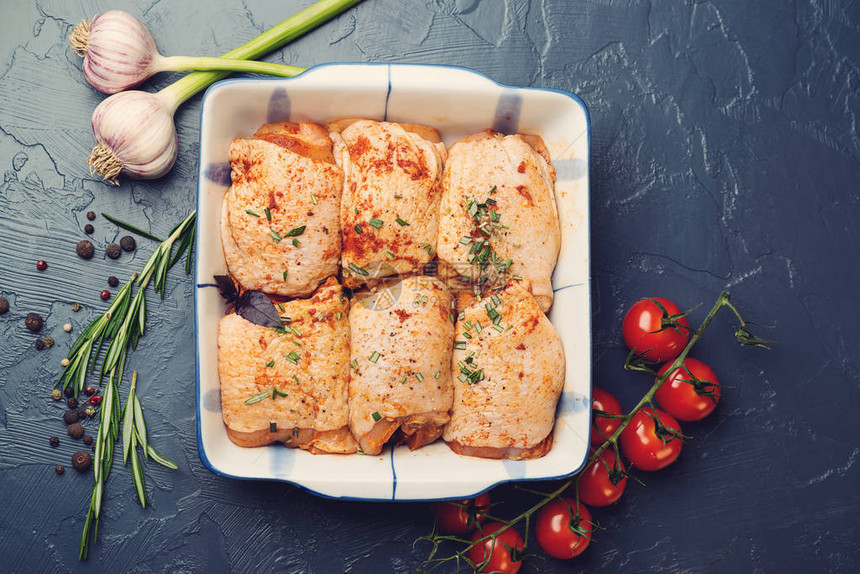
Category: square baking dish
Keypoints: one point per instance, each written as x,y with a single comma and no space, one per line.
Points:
457,102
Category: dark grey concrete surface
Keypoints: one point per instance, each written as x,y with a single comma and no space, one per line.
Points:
725,155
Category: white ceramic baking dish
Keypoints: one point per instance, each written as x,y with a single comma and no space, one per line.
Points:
457,102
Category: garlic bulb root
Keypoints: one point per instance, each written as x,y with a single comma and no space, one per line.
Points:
80,37
105,163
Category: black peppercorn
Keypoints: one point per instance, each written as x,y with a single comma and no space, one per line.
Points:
113,250
127,243
40,344
89,229
72,403
34,322
82,461
69,391
88,439
113,281
85,249
76,430
59,469
70,417
55,441
91,215
4,306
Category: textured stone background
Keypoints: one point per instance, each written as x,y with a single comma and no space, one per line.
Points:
725,155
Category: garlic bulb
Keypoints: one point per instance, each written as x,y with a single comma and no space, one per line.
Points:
135,134
118,51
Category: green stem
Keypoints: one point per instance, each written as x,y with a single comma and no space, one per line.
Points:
273,38
182,63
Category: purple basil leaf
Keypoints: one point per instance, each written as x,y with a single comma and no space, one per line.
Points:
226,287
256,307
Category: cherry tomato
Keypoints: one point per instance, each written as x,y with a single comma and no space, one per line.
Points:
455,519
647,447
646,333
596,486
500,559
686,397
603,427
559,532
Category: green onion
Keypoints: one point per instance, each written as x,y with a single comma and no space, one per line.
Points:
338,315
275,235
286,272
419,376
467,335
436,376
493,189
354,364
517,278
377,223
465,240
268,214
374,356
359,270
296,231
358,229
257,398
295,378
314,199
496,301
478,326
249,212
498,328
389,254
403,380
376,416
460,345
295,242
400,221
270,364
292,357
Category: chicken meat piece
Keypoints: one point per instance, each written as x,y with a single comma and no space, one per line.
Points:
389,213
400,344
280,225
498,217
290,384
507,377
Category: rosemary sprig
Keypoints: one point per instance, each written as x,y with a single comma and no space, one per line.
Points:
434,560
120,327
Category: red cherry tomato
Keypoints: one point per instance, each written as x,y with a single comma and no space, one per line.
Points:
646,333
559,532
603,427
498,551
691,392
648,448
596,486
455,519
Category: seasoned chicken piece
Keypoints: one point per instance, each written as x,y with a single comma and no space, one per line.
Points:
507,377
498,217
400,345
389,214
280,220
289,385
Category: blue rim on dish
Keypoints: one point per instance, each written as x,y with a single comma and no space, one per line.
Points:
197,286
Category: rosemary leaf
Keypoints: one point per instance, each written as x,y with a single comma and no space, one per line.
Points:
130,227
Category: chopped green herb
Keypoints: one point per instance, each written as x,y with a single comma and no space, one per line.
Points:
286,272
273,427
268,214
296,331
359,270
292,357
296,231
496,301
389,254
275,391
396,196
338,315
249,212
377,223
498,328
295,378
280,305
358,229
467,335
462,378
257,398
374,356
517,278
400,221
297,344
355,209
295,242
403,380
314,199
354,364
465,240
478,326
436,376
376,416
270,364
275,235
493,189
460,345
419,376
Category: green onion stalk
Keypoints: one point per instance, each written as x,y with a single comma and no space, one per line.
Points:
135,131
